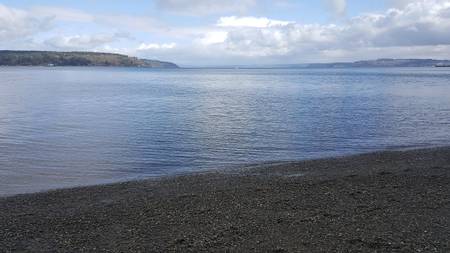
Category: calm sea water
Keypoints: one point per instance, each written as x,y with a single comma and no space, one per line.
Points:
62,127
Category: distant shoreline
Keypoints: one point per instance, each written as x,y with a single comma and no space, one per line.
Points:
224,68
379,63
384,201
76,59
84,58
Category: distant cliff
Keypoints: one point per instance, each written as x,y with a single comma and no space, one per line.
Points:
383,63
50,58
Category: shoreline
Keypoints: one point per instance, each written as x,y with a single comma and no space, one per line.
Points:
237,168
386,201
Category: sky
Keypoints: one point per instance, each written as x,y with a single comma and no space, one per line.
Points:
232,32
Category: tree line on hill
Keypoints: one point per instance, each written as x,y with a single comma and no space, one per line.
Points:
49,58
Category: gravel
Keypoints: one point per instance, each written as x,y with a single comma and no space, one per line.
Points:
396,201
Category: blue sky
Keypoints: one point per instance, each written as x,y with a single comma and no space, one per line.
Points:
206,32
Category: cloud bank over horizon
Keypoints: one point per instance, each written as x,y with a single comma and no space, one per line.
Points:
205,32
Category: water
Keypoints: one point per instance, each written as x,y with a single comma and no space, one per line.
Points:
62,127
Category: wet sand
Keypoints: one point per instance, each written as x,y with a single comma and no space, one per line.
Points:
380,202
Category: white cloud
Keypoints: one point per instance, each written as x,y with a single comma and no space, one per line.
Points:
337,7
418,29
125,22
261,22
15,23
83,42
214,37
205,7
409,32
156,46
39,28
